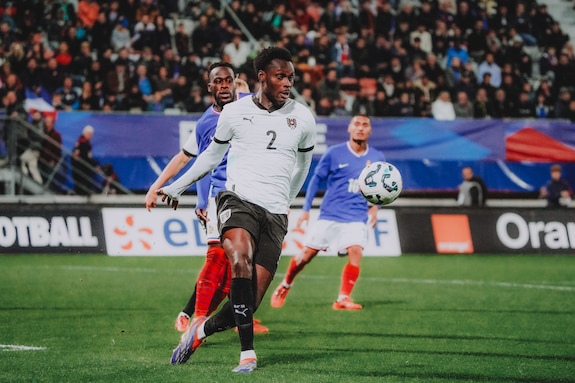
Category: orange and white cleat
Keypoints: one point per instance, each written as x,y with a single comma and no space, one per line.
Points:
279,296
346,304
182,321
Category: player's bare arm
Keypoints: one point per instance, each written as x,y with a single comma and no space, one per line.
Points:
176,164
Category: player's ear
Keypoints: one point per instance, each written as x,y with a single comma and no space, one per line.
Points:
209,87
261,75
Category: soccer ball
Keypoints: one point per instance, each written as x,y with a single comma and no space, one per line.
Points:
380,183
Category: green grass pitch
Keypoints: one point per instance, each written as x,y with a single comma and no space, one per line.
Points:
426,319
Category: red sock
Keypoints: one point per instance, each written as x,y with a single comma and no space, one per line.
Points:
293,270
349,276
210,279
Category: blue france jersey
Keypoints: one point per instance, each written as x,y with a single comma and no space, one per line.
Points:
339,169
205,130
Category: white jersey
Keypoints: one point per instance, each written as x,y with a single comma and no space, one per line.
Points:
264,148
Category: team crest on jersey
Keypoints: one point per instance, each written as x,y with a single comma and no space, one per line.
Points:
291,123
225,215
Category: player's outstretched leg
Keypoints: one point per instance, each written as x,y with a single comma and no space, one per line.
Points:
296,265
189,342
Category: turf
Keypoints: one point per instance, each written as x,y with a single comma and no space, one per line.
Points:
426,319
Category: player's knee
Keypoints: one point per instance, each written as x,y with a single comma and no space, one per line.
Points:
241,265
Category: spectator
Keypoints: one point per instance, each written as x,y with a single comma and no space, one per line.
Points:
70,94
196,103
101,32
490,66
117,81
457,50
524,107
182,41
562,104
88,12
381,106
463,107
89,100
121,36
432,68
542,22
15,136
203,39
472,191
181,90
162,86
502,106
422,107
238,50
342,56
565,71
482,106
425,87
51,165
162,39
144,32
329,86
362,104
64,58
522,23
29,158
403,107
84,166
442,108
425,39
384,20
543,108
486,84
557,191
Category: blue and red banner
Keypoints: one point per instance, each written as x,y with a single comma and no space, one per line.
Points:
511,155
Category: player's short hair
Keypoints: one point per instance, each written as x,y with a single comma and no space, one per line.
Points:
220,64
267,55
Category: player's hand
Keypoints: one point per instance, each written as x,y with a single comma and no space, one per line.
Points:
168,199
303,218
150,200
202,215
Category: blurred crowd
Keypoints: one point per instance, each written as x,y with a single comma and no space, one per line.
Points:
445,59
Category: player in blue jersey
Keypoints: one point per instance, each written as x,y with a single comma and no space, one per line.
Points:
213,282
344,214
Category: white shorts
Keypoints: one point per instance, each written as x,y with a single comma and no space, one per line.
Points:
336,236
212,233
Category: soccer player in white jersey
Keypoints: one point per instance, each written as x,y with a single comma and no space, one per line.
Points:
344,214
271,138
213,282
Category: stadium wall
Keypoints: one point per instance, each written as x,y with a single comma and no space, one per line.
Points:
513,156
132,231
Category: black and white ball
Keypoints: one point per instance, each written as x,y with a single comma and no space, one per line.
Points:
380,183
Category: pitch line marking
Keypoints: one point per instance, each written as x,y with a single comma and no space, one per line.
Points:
459,282
477,283
17,347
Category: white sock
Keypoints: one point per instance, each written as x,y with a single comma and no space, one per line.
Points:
201,332
248,354
341,297
285,284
